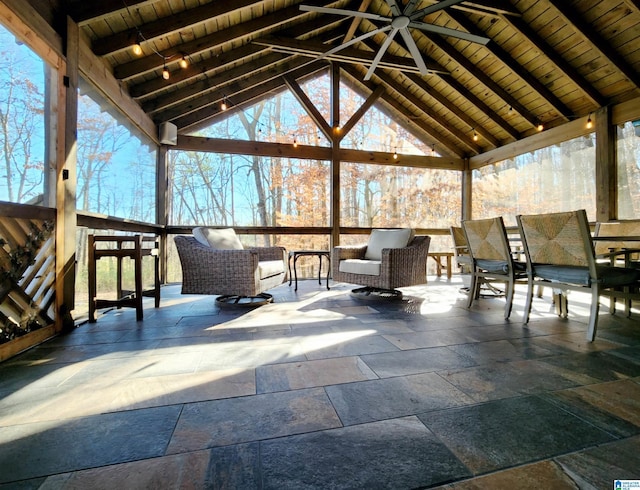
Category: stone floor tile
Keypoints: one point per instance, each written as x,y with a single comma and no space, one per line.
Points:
542,475
62,446
309,374
431,338
237,420
381,399
505,433
601,366
227,467
601,466
359,457
618,398
344,344
416,361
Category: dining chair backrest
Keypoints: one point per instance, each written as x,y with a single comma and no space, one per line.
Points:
487,239
460,246
558,239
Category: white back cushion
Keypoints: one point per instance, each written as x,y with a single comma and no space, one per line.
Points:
380,239
219,239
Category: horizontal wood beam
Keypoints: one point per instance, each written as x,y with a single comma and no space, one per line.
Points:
98,73
620,113
285,150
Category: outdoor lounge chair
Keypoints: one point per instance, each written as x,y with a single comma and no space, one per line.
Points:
215,262
391,259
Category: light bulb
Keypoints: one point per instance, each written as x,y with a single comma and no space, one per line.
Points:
183,62
589,122
223,106
295,143
475,136
165,73
540,127
137,49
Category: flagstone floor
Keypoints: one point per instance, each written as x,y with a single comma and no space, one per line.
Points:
320,390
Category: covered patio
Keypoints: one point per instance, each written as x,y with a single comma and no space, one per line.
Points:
306,125
320,390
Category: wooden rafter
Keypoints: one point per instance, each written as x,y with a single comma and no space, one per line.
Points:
246,92
578,80
597,41
82,11
505,58
206,43
167,25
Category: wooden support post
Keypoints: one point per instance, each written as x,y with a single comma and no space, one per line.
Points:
66,182
606,167
162,203
335,156
467,180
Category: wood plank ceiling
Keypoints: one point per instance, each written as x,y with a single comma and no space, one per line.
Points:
547,62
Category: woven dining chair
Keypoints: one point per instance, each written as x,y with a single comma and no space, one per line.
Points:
491,259
560,253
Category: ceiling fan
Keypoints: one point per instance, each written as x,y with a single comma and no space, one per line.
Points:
399,22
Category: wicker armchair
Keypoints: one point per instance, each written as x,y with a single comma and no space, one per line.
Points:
239,276
396,268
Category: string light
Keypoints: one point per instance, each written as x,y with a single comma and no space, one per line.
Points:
475,135
540,126
589,124
395,154
136,48
223,106
295,141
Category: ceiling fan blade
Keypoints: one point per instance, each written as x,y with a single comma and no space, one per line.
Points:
381,51
411,7
434,8
415,52
367,35
395,9
350,13
446,31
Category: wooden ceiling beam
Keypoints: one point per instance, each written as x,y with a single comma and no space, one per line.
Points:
501,54
545,49
242,98
202,88
229,90
205,44
83,11
167,25
195,70
225,58
287,150
427,128
429,112
596,41
507,98
469,96
308,106
356,116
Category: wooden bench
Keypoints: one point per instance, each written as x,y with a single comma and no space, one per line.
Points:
437,257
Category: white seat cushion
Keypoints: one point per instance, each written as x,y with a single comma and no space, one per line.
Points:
268,268
360,266
219,239
380,239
